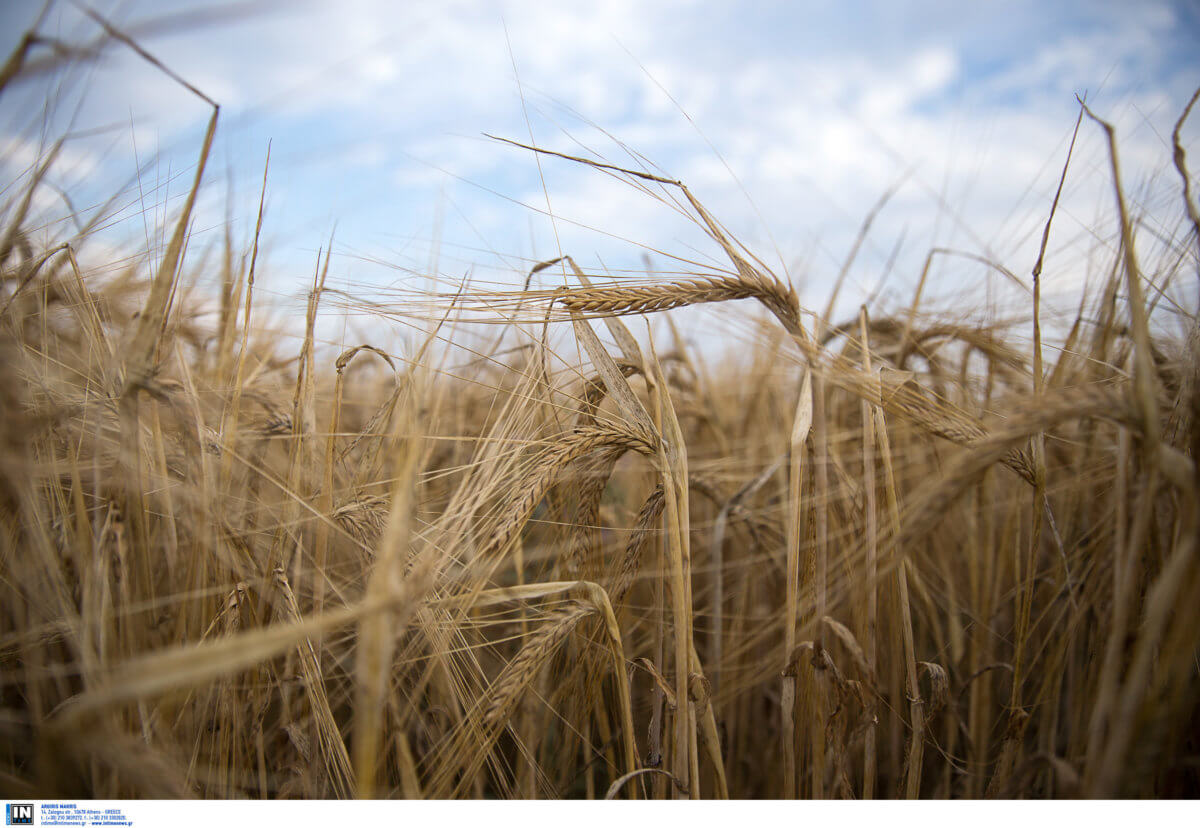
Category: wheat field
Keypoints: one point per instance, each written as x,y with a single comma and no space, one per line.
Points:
547,550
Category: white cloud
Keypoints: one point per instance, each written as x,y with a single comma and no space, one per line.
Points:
816,112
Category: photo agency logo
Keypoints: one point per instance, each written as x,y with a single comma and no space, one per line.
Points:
18,813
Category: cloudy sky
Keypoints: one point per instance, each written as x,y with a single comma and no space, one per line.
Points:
788,120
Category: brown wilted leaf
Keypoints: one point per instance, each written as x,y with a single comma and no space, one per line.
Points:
852,646
939,685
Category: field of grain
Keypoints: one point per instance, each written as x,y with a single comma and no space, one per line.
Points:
895,555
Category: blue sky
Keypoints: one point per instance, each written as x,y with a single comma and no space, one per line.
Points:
788,120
